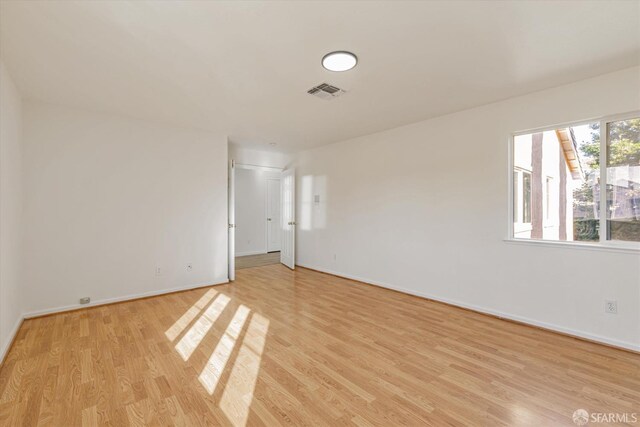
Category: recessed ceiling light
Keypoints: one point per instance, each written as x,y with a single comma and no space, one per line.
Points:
339,61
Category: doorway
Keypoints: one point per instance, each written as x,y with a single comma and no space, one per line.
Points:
257,228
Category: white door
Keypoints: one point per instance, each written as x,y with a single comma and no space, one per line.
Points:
232,222
288,218
274,231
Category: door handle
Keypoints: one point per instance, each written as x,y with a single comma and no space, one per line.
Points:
268,219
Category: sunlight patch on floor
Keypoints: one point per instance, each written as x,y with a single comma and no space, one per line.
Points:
212,371
191,340
181,324
238,392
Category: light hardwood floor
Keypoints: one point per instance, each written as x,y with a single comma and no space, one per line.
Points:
303,348
259,260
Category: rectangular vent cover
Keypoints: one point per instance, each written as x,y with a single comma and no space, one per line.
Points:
326,91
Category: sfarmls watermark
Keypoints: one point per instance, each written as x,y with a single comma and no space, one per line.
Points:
581,417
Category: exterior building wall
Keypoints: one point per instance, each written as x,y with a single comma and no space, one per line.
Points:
550,196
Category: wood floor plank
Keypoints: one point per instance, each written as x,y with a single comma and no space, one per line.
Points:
260,260
282,347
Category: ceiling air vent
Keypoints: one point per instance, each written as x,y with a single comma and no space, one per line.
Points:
326,91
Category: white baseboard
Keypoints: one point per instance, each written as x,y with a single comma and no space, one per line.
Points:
62,309
251,253
514,317
5,345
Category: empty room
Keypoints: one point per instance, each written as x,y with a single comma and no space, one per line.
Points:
319,213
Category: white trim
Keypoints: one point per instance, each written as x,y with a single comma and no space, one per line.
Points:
258,167
595,246
510,187
231,221
251,253
266,214
10,338
521,319
62,309
603,233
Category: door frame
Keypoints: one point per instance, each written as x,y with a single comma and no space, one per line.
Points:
290,216
231,219
231,201
266,212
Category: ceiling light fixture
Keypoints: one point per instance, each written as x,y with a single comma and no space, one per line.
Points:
339,61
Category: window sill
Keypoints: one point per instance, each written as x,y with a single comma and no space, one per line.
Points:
630,248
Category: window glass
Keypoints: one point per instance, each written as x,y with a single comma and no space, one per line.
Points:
547,190
526,197
516,210
556,184
623,180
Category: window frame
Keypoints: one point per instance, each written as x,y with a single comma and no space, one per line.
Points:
604,242
548,184
526,197
519,226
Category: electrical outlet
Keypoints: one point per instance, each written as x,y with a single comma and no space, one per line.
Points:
189,267
85,300
158,271
611,307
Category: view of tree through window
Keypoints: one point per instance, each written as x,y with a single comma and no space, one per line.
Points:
623,180
586,197
556,183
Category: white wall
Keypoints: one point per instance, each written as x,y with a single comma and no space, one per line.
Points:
248,156
423,208
108,199
10,209
251,199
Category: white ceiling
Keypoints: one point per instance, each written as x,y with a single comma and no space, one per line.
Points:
244,67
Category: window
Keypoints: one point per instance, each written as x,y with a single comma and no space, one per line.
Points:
547,195
526,197
515,193
557,178
522,198
623,180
